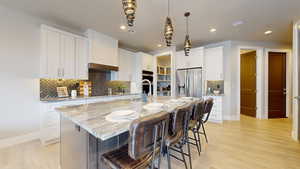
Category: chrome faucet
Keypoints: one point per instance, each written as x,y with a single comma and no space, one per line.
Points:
150,86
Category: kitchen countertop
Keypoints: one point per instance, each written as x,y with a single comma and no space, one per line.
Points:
57,99
91,117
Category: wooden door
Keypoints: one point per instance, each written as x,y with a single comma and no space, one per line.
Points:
248,84
277,85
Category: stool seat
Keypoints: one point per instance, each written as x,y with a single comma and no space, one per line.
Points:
170,140
119,159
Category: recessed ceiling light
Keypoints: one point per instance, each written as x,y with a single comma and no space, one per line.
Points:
213,30
237,23
159,45
122,27
268,32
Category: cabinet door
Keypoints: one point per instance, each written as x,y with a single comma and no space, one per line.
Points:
195,59
181,60
50,60
81,59
148,62
68,56
214,63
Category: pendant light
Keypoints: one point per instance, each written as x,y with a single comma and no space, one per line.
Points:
187,42
168,28
129,7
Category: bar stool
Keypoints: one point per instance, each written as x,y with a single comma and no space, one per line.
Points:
207,110
145,144
178,134
194,125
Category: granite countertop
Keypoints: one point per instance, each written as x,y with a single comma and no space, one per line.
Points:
91,117
57,99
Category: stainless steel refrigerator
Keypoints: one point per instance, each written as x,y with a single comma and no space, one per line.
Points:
189,82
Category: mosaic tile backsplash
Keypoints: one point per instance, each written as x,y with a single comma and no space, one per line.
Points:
48,86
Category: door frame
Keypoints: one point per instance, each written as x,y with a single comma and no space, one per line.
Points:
288,81
259,80
167,51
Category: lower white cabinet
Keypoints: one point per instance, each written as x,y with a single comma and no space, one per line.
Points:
50,121
216,114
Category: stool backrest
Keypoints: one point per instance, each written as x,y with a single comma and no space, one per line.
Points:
146,133
208,107
198,112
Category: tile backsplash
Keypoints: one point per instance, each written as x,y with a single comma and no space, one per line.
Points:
48,86
99,85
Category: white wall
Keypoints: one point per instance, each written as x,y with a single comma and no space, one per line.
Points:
19,73
234,69
296,77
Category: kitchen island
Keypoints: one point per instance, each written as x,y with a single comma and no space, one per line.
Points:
86,134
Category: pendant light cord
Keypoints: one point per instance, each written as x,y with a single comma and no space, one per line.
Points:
168,8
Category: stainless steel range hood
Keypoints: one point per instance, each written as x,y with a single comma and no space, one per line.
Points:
100,67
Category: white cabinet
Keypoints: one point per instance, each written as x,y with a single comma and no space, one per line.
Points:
103,49
195,58
82,59
50,58
127,67
67,56
213,63
50,121
63,54
147,61
216,114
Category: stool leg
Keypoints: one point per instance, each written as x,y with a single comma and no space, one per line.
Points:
168,157
189,152
183,157
199,139
196,140
204,132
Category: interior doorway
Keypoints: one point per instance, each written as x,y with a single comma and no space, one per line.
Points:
277,85
163,75
248,82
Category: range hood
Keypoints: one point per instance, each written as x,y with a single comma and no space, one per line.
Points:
100,67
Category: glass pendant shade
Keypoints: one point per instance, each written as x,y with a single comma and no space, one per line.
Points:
169,31
187,42
187,45
129,7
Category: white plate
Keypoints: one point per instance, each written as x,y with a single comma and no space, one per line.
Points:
123,113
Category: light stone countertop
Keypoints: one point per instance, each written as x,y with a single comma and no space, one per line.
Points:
91,117
57,99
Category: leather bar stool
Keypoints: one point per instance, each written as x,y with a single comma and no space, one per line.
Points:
178,134
194,125
144,146
207,111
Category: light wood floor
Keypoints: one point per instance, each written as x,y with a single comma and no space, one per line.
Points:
245,144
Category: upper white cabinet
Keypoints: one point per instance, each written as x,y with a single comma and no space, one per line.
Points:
127,67
213,63
82,58
103,49
147,61
195,58
64,55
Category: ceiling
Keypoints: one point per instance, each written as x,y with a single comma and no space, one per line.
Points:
106,16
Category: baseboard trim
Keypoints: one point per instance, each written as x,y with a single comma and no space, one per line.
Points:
19,139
